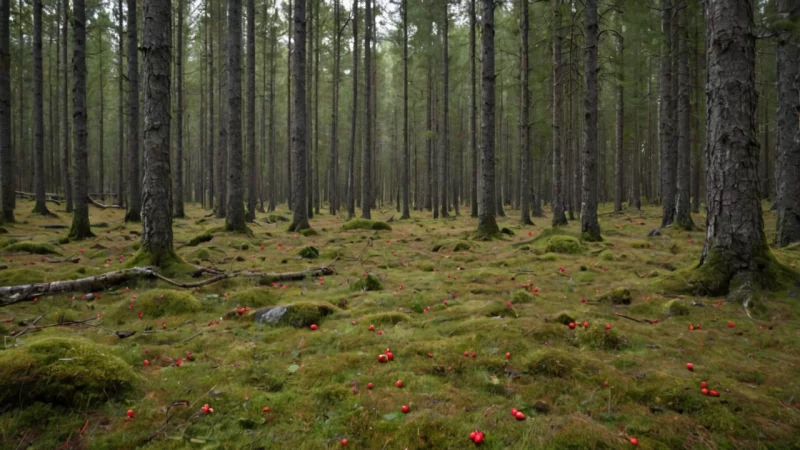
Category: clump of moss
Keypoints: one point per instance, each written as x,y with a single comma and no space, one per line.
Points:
454,245
36,248
308,232
640,244
197,240
277,218
427,267
499,309
598,338
564,318
548,257
521,296
201,255
368,283
366,224
677,308
255,297
301,315
309,252
69,372
158,303
606,255
390,318
618,296
332,253
552,363
564,244
11,277
5,242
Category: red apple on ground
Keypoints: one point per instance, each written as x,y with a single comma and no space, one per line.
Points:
572,325
369,386
633,441
520,415
130,413
704,391
713,393
405,409
690,367
703,384
344,442
608,326
314,327
508,355
585,324
474,355
731,324
399,383
466,354
605,383
372,328
146,363
514,412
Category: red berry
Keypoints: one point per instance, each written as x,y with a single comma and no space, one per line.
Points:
146,363
633,441
585,324
605,383
430,355
714,393
508,355
405,409
130,413
399,383
240,311
608,326
466,354
474,355
344,442
369,386
265,409
380,332
690,367
703,384
479,438
572,325
313,327
382,358
731,324
472,435
691,327
514,412
704,391
520,415
372,328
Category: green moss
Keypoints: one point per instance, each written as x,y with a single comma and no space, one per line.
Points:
564,318
640,244
309,232
70,372
5,242
309,252
618,296
158,303
389,318
368,283
600,338
332,253
606,255
548,257
564,245
677,308
277,218
36,248
12,277
552,363
521,296
451,245
168,263
201,254
366,224
301,315
256,297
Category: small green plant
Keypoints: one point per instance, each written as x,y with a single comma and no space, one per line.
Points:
368,283
309,252
564,244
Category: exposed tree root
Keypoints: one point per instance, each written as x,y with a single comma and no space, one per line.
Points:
10,295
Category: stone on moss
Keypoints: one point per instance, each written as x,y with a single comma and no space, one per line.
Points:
618,296
564,244
298,315
70,372
368,283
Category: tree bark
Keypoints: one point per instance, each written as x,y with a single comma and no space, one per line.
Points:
101,120
524,119
315,194
299,129
38,111
590,227
444,138
252,167
406,153
177,195
473,112
211,169
289,38
156,210
7,196
667,119
120,107
487,225
224,103
351,166
619,174
558,191
366,162
80,216
683,206
333,175
736,246
235,215
273,151
133,213
66,140
787,169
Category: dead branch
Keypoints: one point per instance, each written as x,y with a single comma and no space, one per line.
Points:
166,420
32,196
101,205
10,295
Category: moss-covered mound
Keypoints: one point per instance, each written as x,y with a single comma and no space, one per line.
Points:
277,218
564,244
37,248
451,245
159,303
389,318
600,338
70,372
298,315
309,252
618,296
255,297
553,363
368,283
366,224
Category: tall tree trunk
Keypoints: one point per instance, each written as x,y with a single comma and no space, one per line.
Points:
53,100
698,95
444,138
315,194
590,227
406,155
289,128
473,111
309,79
224,104
558,189
487,225
252,167
430,197
211,171
366,163
120,108
736,246
101,122
235,216
524,119
619,157
667,118
299,129
156,209
80,217
787,173
273,181
333,176
177,200
38,110
133,214
66,140
7,194
351,165
683,215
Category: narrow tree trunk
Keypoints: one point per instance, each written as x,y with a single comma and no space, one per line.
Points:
156,210
443,138
177,195
53,181
558,192
235,215
619,174
787,173
66,140
38,110
698,152
252,167
430,195
351,166
315,194
473,112
80,217
101,122
7,194
667,118
120,109
309,79
133,214
524,119
590,227
289,128
224,103
683,215
366,163
299,129
273,157
487,225
211,171
406,155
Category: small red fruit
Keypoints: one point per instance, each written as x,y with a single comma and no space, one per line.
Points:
572,325
605,383
585,324
608,326
399,383
704,391
520,415
372,328
474,355
405,409
691,327
265,409
714,393
690,367
479,438
240,311
344,442
508,355
369,386
703,384
314,327
583,300
146,363
380,332
130,413
390,355
514,412
466,354
472,435
382,358
633,441
430,355
731,324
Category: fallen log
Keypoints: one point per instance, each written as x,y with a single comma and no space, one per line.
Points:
32,196
101,205
10,295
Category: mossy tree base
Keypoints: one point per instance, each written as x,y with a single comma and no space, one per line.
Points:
591,236
169,262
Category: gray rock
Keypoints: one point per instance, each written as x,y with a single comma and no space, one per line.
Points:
270,316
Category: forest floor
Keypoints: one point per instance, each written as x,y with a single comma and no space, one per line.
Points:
465,355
